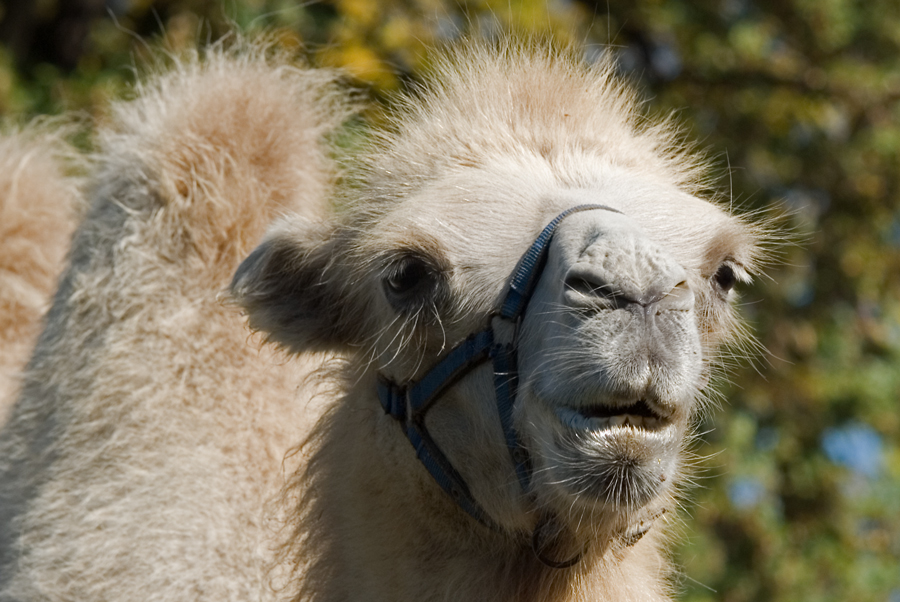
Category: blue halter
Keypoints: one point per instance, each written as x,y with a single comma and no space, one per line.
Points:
408,403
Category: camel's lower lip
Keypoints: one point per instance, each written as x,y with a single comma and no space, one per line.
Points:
617,462
580,420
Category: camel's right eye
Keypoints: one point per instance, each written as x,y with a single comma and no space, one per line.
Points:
410,282
725,278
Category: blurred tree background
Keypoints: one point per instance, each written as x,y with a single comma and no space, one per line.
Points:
798,101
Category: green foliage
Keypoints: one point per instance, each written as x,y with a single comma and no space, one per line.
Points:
800,99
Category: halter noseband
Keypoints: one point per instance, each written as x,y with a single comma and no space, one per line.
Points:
409,403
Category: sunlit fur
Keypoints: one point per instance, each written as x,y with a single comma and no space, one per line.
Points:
158,453
38,205
151,428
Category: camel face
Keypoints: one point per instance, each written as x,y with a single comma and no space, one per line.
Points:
613,349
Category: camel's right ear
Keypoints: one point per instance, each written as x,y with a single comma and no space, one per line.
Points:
285,287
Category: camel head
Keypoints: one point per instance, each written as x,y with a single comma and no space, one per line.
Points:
629,301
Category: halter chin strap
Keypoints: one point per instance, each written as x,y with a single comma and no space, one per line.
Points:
410,402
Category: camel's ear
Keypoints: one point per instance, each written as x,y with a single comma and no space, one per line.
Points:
285,287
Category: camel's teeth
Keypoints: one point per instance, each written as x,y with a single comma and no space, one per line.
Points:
577,421
635,421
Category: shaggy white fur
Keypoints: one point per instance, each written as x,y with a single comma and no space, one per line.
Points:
157,453
151,429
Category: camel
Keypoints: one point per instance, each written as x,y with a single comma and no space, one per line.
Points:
461,363
38,207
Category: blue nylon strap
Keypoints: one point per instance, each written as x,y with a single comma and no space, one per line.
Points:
394,401
410,404
446,372
437,464
506,378
420,395
531,265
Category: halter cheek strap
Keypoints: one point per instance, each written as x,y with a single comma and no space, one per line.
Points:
410,402
409,405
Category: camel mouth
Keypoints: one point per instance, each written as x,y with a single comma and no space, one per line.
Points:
617,457
641,415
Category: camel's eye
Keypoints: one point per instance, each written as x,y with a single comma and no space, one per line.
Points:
410,282
725,278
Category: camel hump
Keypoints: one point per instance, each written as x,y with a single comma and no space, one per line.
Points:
37,215
214,145
38,206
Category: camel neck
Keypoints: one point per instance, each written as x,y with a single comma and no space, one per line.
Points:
372,516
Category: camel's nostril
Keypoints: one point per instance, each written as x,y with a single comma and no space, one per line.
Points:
582,291
594,292
588,288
